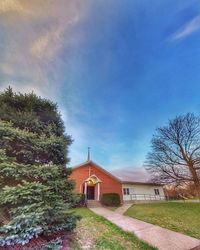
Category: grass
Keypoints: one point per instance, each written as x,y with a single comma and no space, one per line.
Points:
180,217
93,232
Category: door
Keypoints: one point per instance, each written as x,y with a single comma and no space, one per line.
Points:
90,192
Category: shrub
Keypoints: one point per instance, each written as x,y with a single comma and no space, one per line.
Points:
110,199
79,200
55,244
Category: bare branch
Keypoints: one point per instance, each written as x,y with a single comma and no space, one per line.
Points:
175,155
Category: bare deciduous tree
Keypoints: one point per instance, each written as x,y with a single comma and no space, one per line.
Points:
175,154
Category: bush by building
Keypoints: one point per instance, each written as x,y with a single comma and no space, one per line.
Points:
110,199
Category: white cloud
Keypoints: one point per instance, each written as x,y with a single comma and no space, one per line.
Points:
187,29
11,5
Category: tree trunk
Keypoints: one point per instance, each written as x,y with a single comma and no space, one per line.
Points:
195,179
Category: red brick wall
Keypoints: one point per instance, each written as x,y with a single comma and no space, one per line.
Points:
108,184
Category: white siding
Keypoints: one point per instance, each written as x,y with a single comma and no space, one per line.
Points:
142,192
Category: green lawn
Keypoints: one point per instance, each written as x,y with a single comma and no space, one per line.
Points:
94,232
180,217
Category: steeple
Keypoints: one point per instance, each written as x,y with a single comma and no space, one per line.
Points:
88,154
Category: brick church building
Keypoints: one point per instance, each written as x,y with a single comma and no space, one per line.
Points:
93,180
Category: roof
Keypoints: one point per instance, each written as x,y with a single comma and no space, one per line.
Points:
97,166
142,183
123,181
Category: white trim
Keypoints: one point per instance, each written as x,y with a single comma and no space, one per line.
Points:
85,189
93,176
98,191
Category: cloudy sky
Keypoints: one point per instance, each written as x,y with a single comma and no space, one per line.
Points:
117,69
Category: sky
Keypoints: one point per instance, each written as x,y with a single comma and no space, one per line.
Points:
117,69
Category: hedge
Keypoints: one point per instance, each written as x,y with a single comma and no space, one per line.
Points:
110,199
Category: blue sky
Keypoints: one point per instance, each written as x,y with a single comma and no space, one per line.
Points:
117,69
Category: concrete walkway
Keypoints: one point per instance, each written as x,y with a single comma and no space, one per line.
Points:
123,208
159,237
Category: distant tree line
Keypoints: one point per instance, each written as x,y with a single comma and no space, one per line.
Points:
184,191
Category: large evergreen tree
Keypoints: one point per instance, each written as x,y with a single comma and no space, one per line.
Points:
35,189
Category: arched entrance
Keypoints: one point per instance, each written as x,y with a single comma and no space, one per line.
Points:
91,188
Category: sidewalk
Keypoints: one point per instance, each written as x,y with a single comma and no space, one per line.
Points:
159,237
121,210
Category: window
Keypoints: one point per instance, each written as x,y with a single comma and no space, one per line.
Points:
156,191
126,191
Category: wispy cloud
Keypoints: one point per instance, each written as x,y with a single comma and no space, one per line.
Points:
11,5
187,29
46,46
34,32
